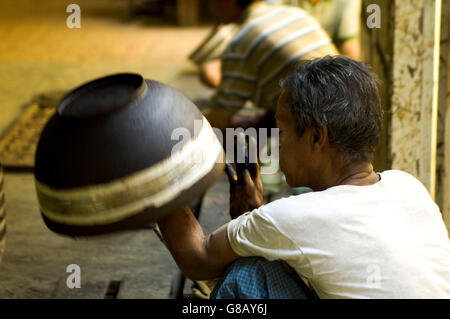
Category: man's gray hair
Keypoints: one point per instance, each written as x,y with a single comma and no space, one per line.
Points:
342,94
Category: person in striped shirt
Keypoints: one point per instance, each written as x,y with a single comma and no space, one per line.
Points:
340,18
270,39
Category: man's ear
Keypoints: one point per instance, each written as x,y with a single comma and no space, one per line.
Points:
319,135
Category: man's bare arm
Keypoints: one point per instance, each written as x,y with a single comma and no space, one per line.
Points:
351,48
198,257
211,73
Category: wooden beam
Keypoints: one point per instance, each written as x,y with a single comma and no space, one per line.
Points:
414,100
445,107
376,49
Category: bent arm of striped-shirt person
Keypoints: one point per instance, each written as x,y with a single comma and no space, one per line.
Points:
234,90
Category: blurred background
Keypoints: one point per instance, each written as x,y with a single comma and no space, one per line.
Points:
41,58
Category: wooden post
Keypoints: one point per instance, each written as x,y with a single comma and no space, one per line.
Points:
445,116
376,48
414,100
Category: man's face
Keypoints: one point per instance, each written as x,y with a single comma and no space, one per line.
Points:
295,157
226,11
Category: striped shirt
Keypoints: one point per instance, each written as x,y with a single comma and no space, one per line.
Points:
269,40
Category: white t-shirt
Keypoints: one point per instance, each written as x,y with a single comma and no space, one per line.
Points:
386,240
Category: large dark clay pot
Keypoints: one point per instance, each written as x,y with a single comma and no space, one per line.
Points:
105,160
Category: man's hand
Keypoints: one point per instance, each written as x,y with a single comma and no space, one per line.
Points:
211,73
246,191
351,48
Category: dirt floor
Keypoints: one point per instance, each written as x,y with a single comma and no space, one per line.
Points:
39,53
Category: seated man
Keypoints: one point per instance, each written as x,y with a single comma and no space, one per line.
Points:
359,234
268,40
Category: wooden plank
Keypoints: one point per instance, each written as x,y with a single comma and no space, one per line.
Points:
35,260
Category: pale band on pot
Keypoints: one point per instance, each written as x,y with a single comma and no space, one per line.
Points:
153,187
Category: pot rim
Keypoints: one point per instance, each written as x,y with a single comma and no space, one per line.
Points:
135,79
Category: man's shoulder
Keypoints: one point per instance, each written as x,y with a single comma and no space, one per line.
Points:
261,19
397,172
265,21
341,196
399,177
298,206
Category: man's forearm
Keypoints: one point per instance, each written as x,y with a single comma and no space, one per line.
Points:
351,49
197,256
211,74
